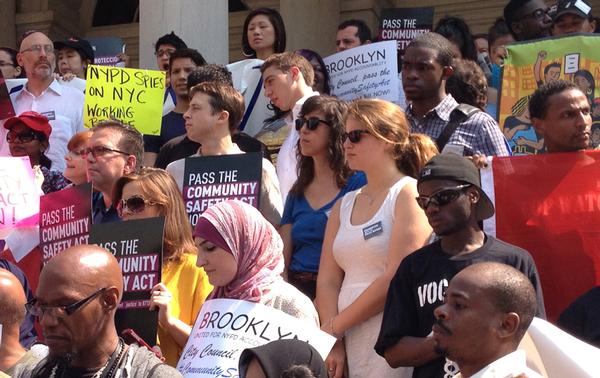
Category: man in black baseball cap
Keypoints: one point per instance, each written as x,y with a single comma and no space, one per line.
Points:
573,16
450,193
74,55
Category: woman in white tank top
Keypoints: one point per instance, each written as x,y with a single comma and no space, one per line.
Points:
368,234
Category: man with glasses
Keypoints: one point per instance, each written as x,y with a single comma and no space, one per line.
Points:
528,19
75,303
113,151
450,194
61,104
163,48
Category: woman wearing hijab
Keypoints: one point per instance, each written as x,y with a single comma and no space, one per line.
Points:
242,254
289,357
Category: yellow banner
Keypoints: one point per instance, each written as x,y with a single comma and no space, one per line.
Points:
132,96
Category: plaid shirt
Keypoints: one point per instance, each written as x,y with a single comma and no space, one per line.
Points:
479,134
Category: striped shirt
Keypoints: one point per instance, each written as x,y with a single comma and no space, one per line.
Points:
479,134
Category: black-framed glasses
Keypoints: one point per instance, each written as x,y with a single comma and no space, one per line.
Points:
101,151
167,52
355,135
538,14
23,137
134,204
311,123
442,197
48,49
38,310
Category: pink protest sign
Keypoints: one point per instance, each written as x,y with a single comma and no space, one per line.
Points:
65,219
19,195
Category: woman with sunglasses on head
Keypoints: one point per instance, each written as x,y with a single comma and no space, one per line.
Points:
75,170
323,178
241,253
184,287
28,135
369,232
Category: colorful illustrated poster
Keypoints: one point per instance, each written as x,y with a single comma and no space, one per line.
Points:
133,96
225,327
137,245
404,24
19,195
6,107
65,219
367,71
531,64
549,205
209,180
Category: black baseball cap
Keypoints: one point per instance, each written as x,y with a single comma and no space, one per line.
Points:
82,46
457,168
577,7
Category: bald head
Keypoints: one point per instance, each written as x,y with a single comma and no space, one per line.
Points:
36,56
508,290
12,299
84,266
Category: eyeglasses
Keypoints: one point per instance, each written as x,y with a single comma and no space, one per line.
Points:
24,137
38,310
354,136
101,151
48,49
311,123
539,14
134,204
76,153
168,52
441,197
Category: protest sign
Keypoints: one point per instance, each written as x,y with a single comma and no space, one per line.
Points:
137,245
19,195
106,50
6,106
367,71
549,204
531,64
404,24
65,219
133,96
209,180
225,327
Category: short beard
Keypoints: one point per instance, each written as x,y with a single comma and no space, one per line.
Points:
442,352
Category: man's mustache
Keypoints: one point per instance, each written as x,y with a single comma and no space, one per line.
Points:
439,323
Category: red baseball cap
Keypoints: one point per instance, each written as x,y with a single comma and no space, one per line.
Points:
33,120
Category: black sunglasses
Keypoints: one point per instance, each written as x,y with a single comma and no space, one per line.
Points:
134,204
38,310
311,123
24,137
441,197
101,151
354,136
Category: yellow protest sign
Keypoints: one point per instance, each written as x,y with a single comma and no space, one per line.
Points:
133,96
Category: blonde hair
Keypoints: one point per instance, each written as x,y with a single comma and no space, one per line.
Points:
159,187
387,122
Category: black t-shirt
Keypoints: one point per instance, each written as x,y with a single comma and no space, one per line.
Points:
582,318
172,126
182,147
418,288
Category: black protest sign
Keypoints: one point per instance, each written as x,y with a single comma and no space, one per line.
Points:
137,245
65,219
212,179
404,24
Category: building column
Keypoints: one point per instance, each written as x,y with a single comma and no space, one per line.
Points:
202,24
311,24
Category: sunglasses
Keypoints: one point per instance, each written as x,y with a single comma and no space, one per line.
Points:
100,151
38,310
539,14
134,205
354,136
24,137
441,197
311,123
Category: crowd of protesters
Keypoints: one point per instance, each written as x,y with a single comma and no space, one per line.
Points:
338,240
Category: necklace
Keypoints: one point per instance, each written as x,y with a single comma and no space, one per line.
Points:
372,197
112,363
